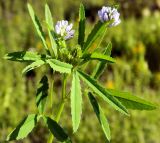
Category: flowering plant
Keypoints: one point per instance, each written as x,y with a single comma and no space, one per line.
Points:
71,62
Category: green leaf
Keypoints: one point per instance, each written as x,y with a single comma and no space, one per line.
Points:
42,93
37,26
59,66
76,101
24,128
102,92
50,24
56,129
53,43
82,19
48,16
100,115
22,56
98,56
131,101
102,65
97,32
33,65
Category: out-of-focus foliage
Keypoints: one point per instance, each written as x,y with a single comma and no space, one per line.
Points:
136,44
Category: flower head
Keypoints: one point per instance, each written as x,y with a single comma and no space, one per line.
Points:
109,13
64,30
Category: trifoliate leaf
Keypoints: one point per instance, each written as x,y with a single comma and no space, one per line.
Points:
102,92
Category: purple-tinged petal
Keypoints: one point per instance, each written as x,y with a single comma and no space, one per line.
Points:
64,30
107,14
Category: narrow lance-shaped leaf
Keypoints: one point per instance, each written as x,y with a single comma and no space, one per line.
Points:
53,43
33,65
48,16
24,128
102,65
59,66
103,93
22,56
37,26
97,32
82,19
56,129
98,56
131,101
50,25
100,115
76,101
42,93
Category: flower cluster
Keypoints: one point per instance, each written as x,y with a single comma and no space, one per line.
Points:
107,14
64,29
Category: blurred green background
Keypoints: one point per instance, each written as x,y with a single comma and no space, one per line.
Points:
136,46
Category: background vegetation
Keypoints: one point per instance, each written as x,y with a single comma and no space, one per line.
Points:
136,46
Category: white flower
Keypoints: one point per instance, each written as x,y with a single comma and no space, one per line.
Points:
64,30
109,13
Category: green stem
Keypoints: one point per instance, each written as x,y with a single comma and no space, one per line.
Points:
51,94
61,106
51,106
60,109
64,86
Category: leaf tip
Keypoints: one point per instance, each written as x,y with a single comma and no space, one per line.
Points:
125,111
75,128
29,5
8,138
6,57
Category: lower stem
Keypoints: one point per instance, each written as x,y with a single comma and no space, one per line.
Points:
51,95
60,108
